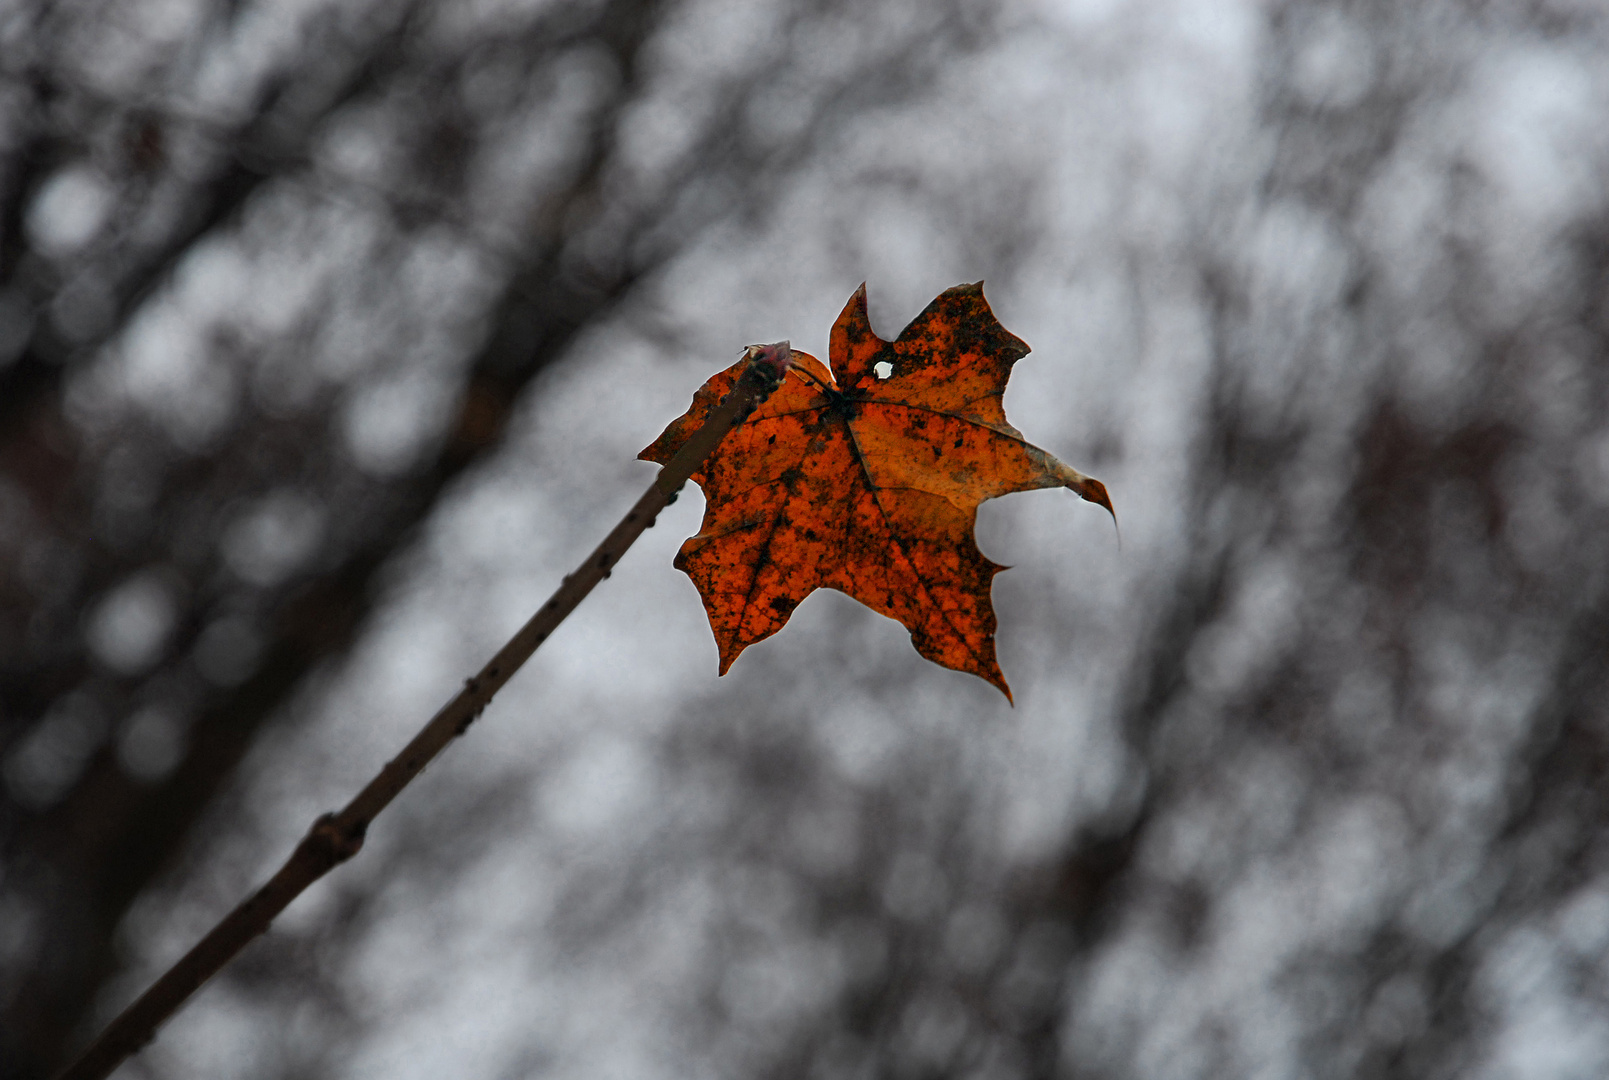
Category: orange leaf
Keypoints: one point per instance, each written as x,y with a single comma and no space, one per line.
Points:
869,485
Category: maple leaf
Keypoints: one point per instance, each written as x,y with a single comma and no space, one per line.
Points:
850,480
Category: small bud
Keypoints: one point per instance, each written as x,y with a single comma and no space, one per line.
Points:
778,358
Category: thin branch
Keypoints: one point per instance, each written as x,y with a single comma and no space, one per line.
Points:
338,836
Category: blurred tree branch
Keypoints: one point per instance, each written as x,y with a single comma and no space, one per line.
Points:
338,836
184,177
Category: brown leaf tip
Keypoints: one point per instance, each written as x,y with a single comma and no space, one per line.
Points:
1092,490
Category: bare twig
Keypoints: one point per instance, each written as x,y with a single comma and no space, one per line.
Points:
336,837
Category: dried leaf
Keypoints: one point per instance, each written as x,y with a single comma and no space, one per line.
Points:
869,485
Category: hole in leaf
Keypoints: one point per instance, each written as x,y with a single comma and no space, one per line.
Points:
883,369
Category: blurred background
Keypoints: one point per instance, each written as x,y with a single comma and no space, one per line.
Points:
329,332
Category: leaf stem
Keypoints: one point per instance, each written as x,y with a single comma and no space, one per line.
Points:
336,837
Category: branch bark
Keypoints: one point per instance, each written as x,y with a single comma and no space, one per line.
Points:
336,837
